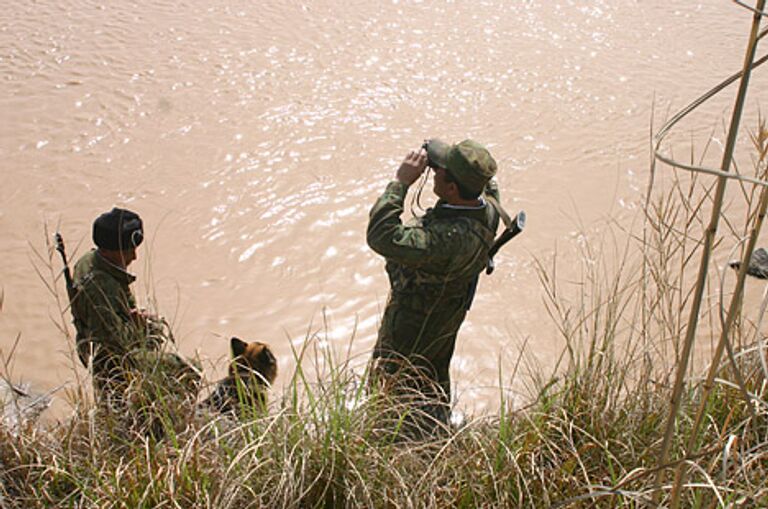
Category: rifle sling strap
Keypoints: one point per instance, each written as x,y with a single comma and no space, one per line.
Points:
502,213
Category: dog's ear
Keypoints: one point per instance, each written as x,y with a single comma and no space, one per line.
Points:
238,347
266,356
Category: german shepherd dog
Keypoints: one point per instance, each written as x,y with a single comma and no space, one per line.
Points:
252,371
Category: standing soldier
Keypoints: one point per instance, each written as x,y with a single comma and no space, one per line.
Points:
112,333
433,264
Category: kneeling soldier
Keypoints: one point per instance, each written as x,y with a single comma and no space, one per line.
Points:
119,340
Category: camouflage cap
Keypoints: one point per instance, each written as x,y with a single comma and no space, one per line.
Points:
468,162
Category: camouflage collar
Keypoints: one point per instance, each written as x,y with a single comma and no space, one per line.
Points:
480,206
445,211
122,275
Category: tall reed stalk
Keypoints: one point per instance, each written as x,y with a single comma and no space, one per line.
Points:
709,239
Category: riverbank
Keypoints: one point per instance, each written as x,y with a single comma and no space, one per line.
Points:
589,439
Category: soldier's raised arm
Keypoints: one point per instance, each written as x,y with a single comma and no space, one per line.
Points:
386,233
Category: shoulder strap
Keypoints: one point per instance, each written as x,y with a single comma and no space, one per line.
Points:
502,213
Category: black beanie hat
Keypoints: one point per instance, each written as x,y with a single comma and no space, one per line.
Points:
118,230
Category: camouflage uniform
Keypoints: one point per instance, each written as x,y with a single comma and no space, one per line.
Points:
108,333
433,264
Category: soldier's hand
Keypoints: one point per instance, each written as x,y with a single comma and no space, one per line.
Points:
144,319
139,317
412,167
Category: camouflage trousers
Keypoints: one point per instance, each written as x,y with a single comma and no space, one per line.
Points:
413,354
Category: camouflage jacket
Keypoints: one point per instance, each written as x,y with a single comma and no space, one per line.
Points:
102,310
433,264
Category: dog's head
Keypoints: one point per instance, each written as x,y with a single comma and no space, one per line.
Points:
253,359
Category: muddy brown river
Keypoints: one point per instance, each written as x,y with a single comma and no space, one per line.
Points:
253,137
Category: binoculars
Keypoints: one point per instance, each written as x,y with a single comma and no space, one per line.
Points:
430,162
